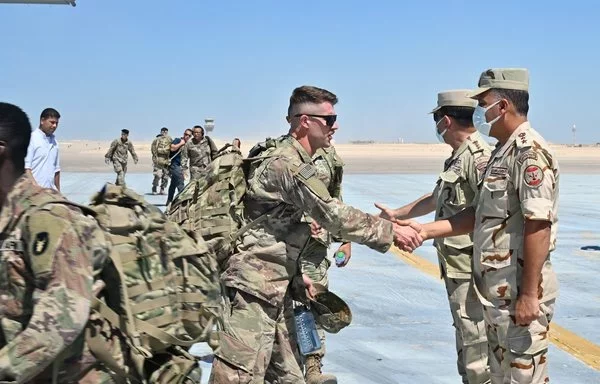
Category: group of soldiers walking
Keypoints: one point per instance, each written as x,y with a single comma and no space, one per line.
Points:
495,210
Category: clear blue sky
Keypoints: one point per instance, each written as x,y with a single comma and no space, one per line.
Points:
142,64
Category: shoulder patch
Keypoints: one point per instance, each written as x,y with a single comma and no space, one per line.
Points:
528,155
40,243
45,230
306,171
533,176
474,146
480,163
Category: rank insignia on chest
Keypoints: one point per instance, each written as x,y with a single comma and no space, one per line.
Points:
306,171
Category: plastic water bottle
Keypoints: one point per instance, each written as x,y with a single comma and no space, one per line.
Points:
306,330
339,257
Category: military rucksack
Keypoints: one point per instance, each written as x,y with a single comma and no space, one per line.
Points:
163,150
159,288
212,207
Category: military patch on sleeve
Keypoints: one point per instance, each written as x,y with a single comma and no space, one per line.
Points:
533,176
481,163
40,243
529,155
306,171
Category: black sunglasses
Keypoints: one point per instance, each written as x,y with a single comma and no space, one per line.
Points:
329,119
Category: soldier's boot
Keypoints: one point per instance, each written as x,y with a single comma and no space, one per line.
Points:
162,191
154,190
313,373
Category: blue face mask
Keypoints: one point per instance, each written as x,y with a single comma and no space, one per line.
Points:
480,122
440,135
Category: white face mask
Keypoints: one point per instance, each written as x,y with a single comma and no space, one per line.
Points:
439,135
480,122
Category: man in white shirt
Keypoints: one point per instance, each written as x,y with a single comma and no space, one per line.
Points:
42,160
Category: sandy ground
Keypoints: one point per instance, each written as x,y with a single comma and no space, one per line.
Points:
88,156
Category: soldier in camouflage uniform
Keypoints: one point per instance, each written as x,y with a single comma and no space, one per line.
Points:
257,343
515,225
117,153
198,153
313,259
457,189
45,272
161,159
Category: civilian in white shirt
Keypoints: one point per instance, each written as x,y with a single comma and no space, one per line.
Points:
42,155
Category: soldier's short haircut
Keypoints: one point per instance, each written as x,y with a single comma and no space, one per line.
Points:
164,129
307,94
15,131
199,126
518,98
462,115
49,113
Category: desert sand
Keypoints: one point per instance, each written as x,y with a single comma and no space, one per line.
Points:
88,156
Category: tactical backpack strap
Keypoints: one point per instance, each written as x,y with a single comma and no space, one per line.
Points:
255,222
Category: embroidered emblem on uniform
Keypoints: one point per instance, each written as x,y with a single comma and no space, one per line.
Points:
523,137
533,176
41,243
456,166
306,171
498,171
481,163
529,155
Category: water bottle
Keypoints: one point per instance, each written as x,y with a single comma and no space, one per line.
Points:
306,330
339,257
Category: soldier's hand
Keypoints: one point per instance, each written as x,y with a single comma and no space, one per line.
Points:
311,291
315,229
347,249
406,237
386,212
527,309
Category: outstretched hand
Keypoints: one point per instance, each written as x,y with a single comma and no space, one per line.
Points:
386,212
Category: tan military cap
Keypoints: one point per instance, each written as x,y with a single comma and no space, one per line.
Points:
455,98
503,78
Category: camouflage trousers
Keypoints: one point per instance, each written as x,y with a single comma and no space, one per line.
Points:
518,354
161,175
469,325
257,344
121,170
314,263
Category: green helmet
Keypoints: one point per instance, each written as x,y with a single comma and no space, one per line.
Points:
331,312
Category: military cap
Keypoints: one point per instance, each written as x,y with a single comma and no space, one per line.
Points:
331,311
454,98
502,78
125,131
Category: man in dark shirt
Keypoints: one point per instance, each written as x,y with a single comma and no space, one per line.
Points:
177,180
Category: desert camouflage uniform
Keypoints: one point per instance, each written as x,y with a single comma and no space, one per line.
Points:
456,190
45,288
199,156
520,182
117,153
258,341
160,164
313,260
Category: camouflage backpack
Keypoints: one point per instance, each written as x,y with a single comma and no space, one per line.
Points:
163,150
212,207
159,287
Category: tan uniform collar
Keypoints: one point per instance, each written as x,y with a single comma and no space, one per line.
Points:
523,127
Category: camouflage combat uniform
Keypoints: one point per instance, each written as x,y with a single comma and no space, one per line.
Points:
520,182
117,153
456,190
161,160
258,342
313,259
45,288
199,155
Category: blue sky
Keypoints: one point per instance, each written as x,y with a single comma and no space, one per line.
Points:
112,64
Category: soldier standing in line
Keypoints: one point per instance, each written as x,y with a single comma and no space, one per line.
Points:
161,159
46,280
198,153
257,342
457,189
117,153
515,226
